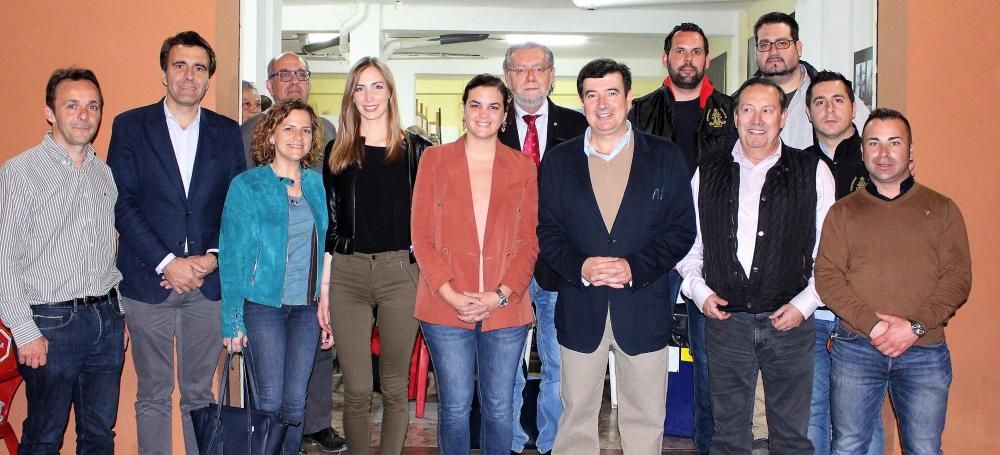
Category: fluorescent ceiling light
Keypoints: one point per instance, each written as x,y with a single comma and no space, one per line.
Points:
319,37
548,40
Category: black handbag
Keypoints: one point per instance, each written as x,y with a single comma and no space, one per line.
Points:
221,429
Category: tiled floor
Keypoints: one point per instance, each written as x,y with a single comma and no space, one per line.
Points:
421,439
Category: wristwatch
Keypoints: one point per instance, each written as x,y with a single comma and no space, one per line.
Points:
503,298
918,328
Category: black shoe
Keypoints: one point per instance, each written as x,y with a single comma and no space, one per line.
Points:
327,439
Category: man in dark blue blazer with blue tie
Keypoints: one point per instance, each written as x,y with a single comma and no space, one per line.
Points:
173,161
615,215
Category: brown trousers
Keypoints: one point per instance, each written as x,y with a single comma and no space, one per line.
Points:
360,286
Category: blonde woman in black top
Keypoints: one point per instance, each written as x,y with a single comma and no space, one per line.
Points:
369,173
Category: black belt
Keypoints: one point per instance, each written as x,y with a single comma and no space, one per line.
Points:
90,299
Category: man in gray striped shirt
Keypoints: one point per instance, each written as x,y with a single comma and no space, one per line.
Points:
57,273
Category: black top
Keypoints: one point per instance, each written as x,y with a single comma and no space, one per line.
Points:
686,115
382,204
904,186
789,96
849,173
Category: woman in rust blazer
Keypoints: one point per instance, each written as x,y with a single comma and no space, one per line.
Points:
472,300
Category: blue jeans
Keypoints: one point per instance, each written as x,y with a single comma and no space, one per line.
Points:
86,352
282,346
704,427
549,405
738,348
918,382
460,356
819,410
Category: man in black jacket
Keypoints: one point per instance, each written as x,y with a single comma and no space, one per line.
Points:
760,210
533,125
831,107
693,115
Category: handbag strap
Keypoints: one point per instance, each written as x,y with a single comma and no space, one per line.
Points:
223,400
250,390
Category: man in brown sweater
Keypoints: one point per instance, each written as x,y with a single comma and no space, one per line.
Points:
894,265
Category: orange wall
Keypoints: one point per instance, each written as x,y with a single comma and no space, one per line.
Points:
120,41
938,63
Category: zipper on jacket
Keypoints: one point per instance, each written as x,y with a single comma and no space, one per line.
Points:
253,272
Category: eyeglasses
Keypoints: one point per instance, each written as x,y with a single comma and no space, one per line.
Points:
765,46
536,70
286,76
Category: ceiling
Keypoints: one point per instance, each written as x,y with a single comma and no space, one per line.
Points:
619,46
419,43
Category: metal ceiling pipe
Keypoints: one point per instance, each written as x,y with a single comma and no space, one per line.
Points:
320,45
391,47
349,25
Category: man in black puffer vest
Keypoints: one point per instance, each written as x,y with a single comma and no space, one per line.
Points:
760,209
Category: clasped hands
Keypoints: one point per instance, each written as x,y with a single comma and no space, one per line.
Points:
892,335
472,307
606,271
186,274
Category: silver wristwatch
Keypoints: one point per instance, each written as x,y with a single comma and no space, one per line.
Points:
503,298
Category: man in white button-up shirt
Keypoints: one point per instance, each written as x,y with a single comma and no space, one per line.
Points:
760,210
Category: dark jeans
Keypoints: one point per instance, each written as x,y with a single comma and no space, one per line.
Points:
918,382
282,346
704,428
461,356
86,352
738,348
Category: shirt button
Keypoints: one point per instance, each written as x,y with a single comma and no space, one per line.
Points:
760,233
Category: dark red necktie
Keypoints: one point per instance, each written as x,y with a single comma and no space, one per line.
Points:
531,139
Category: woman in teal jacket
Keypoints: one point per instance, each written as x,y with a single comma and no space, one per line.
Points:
270,262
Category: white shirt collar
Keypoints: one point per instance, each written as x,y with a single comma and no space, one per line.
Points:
591,151
742,159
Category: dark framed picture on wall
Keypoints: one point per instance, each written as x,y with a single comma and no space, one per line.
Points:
864,75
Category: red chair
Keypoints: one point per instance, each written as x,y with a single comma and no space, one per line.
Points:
10,380
419,364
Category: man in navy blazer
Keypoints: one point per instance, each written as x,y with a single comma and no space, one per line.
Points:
615,215
172,162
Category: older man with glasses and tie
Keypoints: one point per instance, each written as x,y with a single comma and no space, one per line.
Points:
533,125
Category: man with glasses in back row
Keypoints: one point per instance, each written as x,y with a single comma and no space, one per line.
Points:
288,77
533,125
779,54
